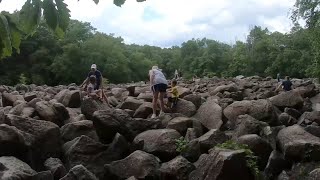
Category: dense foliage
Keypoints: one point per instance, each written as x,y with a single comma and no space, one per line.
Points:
45,59
13,27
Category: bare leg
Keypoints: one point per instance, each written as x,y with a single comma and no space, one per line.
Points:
155,102
161,101
105,97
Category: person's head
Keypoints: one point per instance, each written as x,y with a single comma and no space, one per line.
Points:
173,83
155,68
287,78
92,79
93,67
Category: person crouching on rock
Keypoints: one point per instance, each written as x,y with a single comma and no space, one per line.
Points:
173,99
158,83
95,93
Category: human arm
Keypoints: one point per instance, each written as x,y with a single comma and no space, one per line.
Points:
86,81
151,76
278,87
101,83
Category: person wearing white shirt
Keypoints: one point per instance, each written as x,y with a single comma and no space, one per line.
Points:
159,84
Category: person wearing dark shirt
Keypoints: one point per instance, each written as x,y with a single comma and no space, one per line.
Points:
286,85
98,76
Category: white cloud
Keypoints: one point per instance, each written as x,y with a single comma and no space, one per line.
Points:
170,22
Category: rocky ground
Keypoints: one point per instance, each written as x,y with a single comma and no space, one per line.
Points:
54,133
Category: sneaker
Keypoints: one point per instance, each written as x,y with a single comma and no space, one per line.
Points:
153,116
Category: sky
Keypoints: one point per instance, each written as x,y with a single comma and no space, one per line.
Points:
167,23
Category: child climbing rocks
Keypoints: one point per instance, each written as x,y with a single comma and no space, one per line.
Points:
174,94
95,93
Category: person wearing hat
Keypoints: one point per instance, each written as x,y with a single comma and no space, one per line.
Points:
98,76
159,84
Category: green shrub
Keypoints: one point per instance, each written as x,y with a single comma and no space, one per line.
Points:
181,144
22,79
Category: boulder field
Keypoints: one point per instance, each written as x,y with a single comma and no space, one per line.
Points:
56,133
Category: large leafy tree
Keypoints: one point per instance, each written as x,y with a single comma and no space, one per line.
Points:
13,27
309,11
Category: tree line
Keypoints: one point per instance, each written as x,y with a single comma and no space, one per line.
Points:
46,59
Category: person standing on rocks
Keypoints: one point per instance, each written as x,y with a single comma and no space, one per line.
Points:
173,99
159,84
286,85
176,74
278,77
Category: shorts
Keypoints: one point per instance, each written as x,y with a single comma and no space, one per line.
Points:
159,88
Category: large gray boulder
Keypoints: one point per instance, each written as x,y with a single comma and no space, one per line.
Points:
210,114
276,164
53,112
131,103
79,172
181,124
8,99
298,144
246,124
89,106
183,91
222,164
261,148
147,96
138,164
107,123
210,139
56,167
261,109
15,169
41,137
184,107
308,118
314,175
76,129
12,142
29,96
221,89
86,151
287,99
72,99
177,168
143,111
160,142
194,98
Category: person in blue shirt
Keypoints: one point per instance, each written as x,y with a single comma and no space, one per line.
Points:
286,85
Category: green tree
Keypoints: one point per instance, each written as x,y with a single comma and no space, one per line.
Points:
13,27
308,10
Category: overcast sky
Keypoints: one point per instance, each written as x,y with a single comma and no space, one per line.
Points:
170,22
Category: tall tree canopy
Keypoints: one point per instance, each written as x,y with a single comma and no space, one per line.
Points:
14,27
